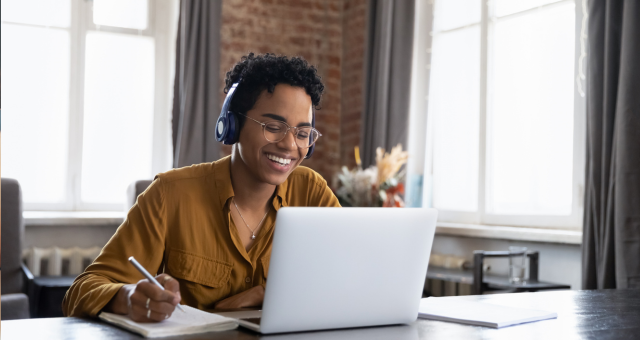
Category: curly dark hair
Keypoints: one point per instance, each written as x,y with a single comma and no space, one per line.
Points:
264,72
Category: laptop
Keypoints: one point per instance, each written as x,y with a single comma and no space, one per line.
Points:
336,268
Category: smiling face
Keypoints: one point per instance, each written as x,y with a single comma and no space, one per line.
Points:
273,162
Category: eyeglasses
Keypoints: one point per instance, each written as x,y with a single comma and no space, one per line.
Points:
275,131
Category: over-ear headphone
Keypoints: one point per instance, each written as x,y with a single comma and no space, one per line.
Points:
228,125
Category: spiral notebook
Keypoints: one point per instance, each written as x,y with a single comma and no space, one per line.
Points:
191,322
478,313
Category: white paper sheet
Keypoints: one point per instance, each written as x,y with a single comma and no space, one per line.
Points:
478,313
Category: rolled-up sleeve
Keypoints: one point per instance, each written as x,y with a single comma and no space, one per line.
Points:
141,235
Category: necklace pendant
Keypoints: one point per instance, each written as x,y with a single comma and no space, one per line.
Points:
253,237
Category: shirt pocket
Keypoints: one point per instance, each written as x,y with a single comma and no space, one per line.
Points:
198,269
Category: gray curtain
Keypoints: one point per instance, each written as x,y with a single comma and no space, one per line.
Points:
611,241
385,119
196,88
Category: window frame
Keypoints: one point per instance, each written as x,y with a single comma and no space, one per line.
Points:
162,27
481,217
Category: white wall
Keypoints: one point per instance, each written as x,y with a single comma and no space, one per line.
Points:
559,263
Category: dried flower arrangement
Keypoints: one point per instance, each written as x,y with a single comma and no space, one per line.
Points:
377,186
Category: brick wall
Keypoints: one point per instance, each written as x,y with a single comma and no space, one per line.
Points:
329,34
354,38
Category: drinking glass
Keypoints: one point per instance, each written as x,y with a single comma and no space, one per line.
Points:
517,264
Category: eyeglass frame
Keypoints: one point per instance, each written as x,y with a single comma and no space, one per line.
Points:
289,127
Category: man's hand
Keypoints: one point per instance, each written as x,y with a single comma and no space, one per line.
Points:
249,298
146,302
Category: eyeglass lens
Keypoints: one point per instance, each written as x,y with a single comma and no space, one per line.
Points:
304,136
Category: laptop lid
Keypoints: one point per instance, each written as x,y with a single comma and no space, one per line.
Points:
346,267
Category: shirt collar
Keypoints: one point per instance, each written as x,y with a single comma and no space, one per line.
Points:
223,180
281,195
225,188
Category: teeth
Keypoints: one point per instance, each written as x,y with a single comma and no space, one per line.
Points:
282,161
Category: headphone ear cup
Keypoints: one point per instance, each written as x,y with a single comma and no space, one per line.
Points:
227,127
222,127
313,125
310,152
234,129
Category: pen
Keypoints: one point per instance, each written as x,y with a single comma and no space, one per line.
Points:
144,272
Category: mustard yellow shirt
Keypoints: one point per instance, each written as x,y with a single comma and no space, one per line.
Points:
181,226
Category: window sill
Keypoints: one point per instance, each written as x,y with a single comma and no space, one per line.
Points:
510,233
66,218
95,218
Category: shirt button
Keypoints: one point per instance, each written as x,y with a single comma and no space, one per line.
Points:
247,280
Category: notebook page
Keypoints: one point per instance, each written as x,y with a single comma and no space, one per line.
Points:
190,322
478,313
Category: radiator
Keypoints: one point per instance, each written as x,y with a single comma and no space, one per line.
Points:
56,261
437,287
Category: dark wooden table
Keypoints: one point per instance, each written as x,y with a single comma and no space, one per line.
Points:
602,314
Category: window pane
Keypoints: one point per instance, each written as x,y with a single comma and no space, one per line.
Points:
35,117
37,12
450,14
118,115
506,7
120,13
530,139
453,102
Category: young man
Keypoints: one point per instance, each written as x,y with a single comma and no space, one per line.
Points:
208,228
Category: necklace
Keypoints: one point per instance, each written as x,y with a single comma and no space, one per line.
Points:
253,235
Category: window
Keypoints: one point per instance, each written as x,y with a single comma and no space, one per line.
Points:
86,88
505,139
